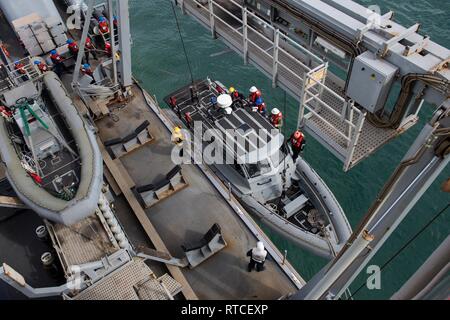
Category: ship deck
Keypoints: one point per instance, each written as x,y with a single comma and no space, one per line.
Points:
188,214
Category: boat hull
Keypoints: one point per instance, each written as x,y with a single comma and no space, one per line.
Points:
309,241
91,180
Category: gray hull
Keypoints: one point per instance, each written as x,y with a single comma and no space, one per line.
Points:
43,203
309,241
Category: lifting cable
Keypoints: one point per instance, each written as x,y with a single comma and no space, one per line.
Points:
182,41
397,253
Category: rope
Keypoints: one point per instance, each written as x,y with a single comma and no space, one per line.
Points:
182,41
396,254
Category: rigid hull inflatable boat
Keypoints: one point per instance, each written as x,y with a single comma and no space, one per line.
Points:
49,152
289,197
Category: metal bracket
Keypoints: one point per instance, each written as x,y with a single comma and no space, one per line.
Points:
394,40
154,255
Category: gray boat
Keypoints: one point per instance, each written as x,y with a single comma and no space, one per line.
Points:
289,197
49,152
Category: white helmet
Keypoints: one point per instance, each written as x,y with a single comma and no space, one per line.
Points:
253,89
260,245
275,111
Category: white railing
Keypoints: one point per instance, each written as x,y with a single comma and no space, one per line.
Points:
307,76
16,78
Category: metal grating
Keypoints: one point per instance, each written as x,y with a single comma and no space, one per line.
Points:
133,281
83,242
153,290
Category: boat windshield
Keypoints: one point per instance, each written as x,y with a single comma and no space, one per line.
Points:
259,168
278,157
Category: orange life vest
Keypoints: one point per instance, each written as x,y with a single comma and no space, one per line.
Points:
276,119
297,143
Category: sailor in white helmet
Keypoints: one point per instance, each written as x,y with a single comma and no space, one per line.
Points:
254,95
257,257
276,118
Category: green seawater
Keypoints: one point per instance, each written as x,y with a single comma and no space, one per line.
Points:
160,65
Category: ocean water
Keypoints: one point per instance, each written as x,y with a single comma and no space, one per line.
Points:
160,65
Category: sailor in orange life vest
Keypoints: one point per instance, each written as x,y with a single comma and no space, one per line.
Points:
90,49
235,95
276,118
20,68
257,257
261,106
297,144
108,49
254,94
42,66
57,61
87,70
73,47
103,26
6,113
188,118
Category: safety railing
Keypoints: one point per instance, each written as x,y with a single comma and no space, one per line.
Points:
342,118
17,76
270,47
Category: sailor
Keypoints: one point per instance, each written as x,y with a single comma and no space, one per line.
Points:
73,47
6,113
55,57
115,24
214,101
254,94
90,49
20,68
261,106
87,70
173,101
103,26
58,62
178,139
235,95
188,118
257,257
108,48
276,118
42,66
297,143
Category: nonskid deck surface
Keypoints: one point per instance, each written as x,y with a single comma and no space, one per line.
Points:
188,214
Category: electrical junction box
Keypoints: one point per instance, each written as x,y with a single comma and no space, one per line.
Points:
371,80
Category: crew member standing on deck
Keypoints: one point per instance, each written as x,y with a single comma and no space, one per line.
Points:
254,95
42,66
178,139
73,47
257,257
103,26
89,49
58,62
20,68
276,118
297,144
261,107
108,49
